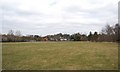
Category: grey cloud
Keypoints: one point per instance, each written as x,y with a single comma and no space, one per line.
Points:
73,9
49,28
53,3
119,12
93,12
12,10
103,14
40,25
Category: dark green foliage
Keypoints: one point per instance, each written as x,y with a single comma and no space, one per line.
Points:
95,36
90,36
76,37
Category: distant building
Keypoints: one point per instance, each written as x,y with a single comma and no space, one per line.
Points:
63,39
45,39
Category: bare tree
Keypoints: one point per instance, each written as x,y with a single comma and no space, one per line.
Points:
10,36
117,32
108,30
18,33
108,33
10,32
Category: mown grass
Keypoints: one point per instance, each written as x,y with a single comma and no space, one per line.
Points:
60,56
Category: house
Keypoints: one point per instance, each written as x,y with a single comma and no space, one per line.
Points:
63,39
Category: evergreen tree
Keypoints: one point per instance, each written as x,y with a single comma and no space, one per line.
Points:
90,36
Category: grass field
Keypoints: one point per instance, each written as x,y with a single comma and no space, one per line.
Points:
60,56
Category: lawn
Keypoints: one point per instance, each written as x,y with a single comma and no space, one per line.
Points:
60,56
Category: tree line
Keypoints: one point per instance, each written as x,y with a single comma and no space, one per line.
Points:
108,34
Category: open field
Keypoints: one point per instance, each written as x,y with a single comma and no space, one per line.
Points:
60,55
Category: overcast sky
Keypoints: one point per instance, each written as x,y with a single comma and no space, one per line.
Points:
43,17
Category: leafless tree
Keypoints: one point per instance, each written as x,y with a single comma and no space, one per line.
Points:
18,33
108,30
10,32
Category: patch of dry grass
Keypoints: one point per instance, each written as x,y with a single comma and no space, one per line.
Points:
60,55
